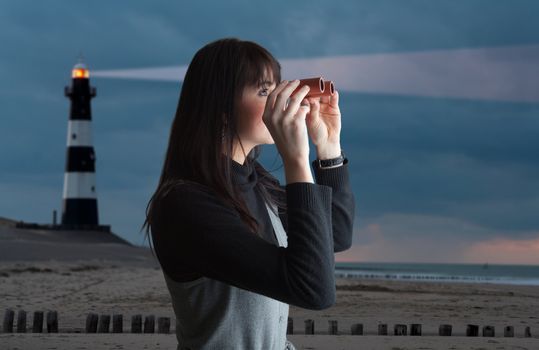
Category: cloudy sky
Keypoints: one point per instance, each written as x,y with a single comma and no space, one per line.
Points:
439,102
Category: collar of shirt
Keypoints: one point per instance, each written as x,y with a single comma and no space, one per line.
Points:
244,175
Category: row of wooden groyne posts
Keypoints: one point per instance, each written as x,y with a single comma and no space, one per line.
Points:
102,324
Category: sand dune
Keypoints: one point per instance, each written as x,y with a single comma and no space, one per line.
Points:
17,244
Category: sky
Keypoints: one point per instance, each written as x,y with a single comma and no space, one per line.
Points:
439,103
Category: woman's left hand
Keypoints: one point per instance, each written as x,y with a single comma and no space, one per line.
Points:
324,122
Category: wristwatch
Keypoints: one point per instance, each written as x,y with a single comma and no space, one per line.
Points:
331,163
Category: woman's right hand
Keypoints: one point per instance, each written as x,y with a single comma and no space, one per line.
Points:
286,123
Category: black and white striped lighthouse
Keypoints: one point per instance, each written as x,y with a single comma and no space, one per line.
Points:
79,194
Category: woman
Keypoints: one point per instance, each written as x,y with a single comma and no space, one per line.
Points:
236,247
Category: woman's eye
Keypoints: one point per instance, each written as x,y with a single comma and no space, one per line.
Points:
264,91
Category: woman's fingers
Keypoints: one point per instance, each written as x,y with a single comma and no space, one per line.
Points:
324,99
302,112
270,101
287,124
285,94
312,99
334,100
295,101
315,107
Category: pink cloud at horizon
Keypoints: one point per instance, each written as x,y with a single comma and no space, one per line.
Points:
430,239
505,251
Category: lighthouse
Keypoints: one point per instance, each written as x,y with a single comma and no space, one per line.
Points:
79,199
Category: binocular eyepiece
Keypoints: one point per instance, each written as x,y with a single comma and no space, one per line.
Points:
318,87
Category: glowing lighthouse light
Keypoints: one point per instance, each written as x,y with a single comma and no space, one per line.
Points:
80,71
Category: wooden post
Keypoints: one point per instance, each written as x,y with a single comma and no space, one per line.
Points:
415,329
290,326
357,329
163,325
117,323
332,327
472,330
103,325
488,331
400,329
37,323
149,324
508,331
8,321
382,329
136,324
309,326
527,332
91,323
52,322
445,330
21,321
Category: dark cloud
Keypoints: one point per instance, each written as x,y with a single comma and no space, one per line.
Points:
465,159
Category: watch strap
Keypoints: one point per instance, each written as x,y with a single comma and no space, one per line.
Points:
331,163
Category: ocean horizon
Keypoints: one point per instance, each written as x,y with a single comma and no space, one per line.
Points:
441,272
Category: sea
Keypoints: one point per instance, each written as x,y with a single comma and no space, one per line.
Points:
427,272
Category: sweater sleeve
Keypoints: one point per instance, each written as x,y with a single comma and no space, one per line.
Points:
343,205
196,229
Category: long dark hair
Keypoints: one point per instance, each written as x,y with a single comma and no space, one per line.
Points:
205,126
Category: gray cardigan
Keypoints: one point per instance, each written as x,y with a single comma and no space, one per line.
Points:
214,315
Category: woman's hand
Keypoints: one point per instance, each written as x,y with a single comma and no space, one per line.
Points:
324,125
286,122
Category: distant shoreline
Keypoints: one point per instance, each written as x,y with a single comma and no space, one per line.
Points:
527,275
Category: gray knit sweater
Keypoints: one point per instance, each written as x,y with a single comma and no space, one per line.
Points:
231,289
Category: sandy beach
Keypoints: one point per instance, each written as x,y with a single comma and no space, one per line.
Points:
76,273
75,288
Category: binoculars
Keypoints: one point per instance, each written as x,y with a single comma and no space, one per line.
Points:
318,87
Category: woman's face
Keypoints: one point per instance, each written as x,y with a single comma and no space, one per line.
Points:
250,109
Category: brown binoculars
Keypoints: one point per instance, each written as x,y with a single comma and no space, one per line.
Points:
318,87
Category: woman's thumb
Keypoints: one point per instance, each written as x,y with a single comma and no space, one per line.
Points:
304,109
315,108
